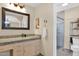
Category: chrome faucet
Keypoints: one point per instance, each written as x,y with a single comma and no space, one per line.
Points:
23,35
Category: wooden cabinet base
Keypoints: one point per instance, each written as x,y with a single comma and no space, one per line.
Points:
27,48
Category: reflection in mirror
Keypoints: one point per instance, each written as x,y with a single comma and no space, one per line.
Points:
14,19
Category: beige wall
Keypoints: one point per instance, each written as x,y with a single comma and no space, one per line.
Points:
29,10
45,12
70,15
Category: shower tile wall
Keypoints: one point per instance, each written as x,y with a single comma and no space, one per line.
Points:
60,33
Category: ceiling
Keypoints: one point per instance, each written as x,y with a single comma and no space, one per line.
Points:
59,6
33,4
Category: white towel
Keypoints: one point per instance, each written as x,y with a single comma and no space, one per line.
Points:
44,32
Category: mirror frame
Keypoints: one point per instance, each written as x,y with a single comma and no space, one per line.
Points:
13,11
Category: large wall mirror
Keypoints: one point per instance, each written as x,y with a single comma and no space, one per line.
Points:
15,20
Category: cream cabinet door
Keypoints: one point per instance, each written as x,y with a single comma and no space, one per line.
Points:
18,50
32,48
37,46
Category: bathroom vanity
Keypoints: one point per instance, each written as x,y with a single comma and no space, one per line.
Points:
21,46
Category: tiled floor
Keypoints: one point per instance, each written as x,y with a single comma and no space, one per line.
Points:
64,52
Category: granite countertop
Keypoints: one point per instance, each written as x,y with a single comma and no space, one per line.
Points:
19,39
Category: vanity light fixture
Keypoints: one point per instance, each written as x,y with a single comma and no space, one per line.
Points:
21,6
18,4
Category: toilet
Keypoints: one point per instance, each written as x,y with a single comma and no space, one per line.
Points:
75,46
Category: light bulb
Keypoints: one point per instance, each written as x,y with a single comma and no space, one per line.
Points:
64,4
